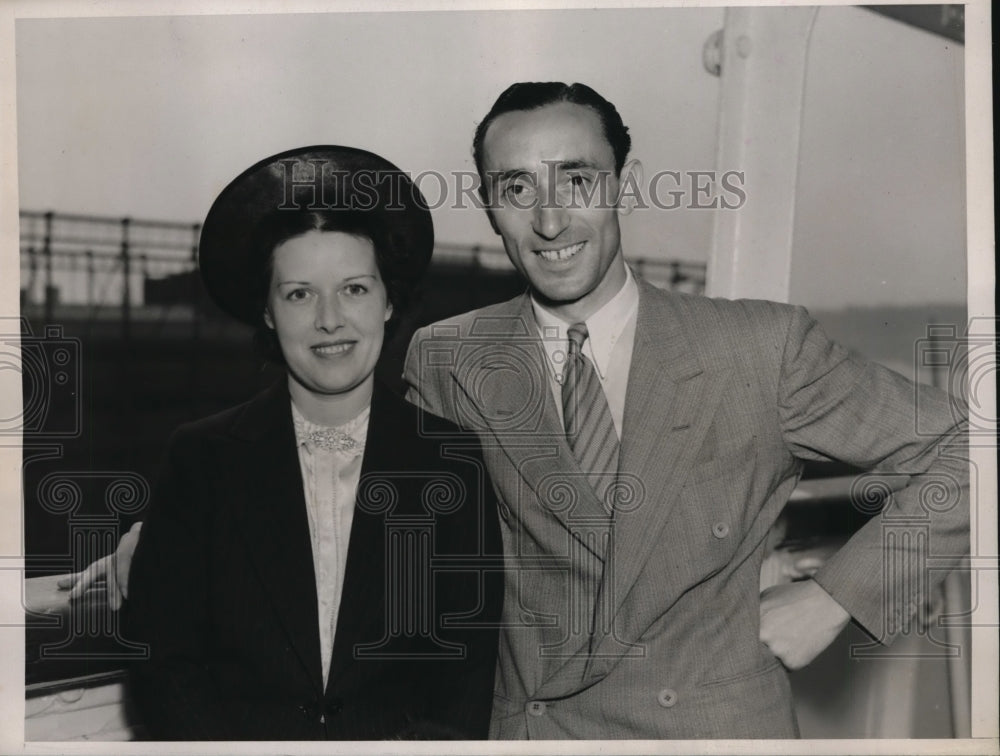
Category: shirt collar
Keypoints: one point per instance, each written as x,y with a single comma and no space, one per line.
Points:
604,328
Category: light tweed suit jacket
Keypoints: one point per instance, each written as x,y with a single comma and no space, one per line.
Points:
725,401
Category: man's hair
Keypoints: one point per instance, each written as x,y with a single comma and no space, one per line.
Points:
529,95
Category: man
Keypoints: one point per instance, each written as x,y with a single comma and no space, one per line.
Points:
635,513
642,444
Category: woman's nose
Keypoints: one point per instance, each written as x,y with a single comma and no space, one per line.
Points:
327,314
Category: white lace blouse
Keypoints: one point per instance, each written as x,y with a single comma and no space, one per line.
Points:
330,459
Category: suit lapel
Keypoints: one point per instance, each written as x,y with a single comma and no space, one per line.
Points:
670,403
273,520
504,376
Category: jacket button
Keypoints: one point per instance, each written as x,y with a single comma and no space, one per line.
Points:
536,708
666,698
313,711
720,530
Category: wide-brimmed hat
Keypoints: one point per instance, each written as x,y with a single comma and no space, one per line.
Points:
317,178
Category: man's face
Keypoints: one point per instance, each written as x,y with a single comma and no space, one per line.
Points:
554,192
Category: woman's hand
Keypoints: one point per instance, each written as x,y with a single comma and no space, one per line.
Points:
113,569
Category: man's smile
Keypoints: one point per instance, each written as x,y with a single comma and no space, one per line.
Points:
560,253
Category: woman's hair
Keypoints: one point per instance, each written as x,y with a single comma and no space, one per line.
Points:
281,225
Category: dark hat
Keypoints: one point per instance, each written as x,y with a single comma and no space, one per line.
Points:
322,178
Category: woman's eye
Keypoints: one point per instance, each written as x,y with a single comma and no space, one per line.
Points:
297,295
356,289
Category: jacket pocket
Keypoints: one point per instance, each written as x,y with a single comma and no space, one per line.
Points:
769,667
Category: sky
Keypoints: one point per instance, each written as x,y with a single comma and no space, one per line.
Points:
151,117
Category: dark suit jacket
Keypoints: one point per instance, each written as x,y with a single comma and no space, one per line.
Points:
223,587
724,402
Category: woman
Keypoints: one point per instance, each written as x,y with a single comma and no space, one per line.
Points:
290,577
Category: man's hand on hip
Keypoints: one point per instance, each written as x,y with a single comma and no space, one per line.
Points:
798,621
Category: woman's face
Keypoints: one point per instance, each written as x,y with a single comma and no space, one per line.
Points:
328,306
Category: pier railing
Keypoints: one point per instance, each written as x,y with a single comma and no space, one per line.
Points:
92,268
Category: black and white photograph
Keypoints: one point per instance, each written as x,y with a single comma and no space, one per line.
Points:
482,373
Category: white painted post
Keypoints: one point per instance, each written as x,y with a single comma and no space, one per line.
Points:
763,66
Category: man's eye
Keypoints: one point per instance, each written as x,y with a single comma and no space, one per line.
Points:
579,180
520,191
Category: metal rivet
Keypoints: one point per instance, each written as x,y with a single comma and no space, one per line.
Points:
711,53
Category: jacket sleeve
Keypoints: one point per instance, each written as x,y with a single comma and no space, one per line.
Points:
833,405
168,607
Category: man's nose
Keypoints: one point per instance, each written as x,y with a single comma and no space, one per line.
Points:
550,219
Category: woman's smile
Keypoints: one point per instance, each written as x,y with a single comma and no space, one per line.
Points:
334,349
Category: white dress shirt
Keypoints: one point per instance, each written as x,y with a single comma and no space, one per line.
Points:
611,334
330,479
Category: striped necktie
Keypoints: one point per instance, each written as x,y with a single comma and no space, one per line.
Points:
590,431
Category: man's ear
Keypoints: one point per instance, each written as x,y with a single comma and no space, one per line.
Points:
630,187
